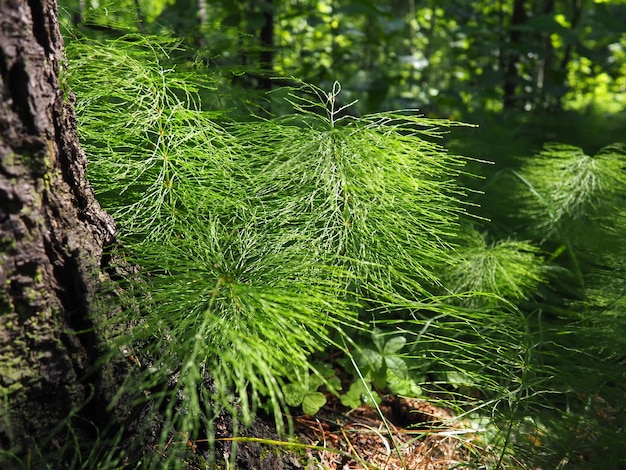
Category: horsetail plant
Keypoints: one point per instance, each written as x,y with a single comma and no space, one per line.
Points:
259,242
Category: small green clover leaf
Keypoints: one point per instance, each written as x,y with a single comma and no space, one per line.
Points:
312,402
305,392
382,363
330,379
297,394
352,398
359,393
294,394
403,386
324,369
459,379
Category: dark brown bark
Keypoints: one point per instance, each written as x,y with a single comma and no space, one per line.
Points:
560,73
511,76
52,234
266,38
53,401
545,64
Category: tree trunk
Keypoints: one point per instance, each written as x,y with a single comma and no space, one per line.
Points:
266,38
544,67
52,234
511,73
54,392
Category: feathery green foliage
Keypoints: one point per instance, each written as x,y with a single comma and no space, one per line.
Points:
226,296
258,242
510,270
571,206
263,243
372,193
570,192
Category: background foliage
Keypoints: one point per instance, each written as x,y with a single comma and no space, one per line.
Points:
448,57
277,229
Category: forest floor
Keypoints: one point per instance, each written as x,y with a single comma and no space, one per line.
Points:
411,434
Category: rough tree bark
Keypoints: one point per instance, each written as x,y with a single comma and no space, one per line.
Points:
52,234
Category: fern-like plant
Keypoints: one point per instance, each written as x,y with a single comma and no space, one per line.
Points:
570,206
261,242
377,195
505,270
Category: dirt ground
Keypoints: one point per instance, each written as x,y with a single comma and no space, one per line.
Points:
414,435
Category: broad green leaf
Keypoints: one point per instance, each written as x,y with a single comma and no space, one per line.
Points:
313,382
378,338
312,402
325,369
394,345
396,365
333,384
352,398
370,397
294,394
403,386
370,360
458,378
